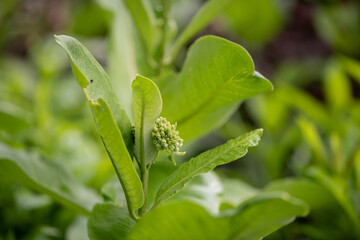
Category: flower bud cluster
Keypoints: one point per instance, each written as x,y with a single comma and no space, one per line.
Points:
165,136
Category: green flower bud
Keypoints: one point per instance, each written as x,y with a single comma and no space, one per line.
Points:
165,137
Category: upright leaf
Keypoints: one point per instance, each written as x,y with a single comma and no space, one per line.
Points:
95,83
337,87
147,105
207,161
126,53
216,76
121,47
255,219
312,136
351,66
145,20
202,18
302,101
337,187
120,157
47,177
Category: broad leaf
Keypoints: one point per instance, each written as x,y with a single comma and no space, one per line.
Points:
47,177
145,20
120,157
266,213
202,18
310,192
147,105
207,161
109,222
216,76
255,219
95,83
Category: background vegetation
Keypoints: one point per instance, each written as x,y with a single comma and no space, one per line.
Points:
310,50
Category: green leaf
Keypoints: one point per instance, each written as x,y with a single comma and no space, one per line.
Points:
216,76
126,54
310,192
202,18
302,101
338,188
13,119
109,222
120,157
147,105
351,66
255,219
113,192
338,88
241,14
77,230
235,192
312,136
266,213
121,47
95,83
207,161
47,177
204,190
145,21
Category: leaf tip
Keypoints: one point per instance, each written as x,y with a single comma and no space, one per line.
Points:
58,38
270,86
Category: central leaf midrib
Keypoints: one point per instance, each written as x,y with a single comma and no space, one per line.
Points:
195,170
142,140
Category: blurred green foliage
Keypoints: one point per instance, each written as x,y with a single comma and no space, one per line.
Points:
309,49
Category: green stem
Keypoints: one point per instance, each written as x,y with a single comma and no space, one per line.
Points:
145,180
134,216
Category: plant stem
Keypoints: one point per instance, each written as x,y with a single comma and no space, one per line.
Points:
144,179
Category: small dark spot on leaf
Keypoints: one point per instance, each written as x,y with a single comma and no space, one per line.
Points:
91,80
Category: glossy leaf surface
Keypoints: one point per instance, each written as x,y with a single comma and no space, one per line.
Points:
216,76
